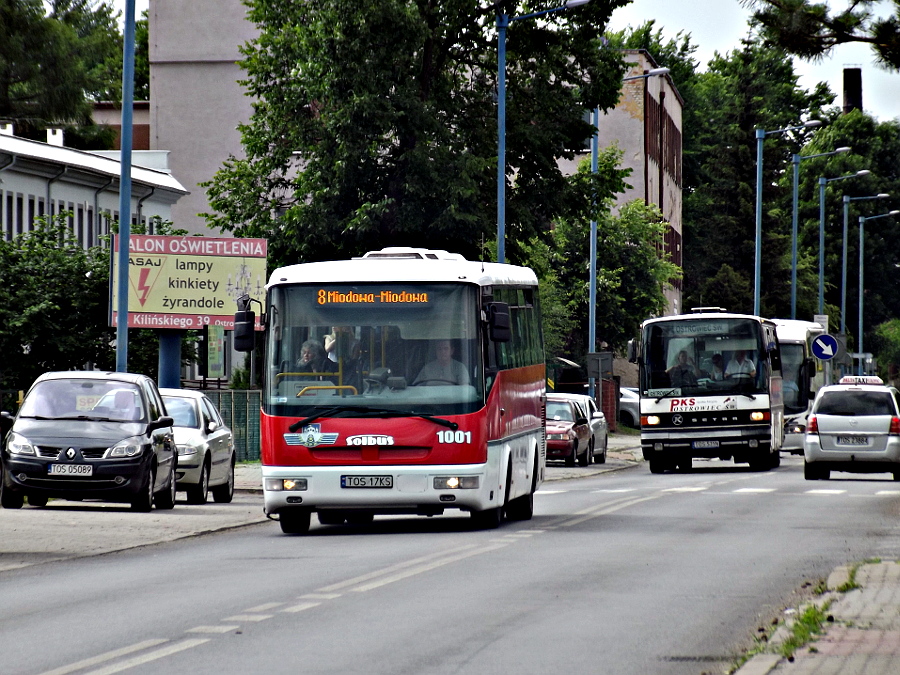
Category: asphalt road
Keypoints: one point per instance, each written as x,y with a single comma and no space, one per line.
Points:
623,572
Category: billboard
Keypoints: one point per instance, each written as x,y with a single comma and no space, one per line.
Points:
188,282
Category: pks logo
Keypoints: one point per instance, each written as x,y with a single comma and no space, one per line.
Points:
311,437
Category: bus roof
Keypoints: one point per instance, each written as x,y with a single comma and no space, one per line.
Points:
405,265
795,330
703,316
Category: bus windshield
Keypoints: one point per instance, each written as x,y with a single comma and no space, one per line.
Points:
704,356
370,348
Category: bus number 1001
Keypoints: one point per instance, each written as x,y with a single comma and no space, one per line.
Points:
454,436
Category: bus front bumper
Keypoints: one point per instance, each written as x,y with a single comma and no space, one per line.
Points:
708,443
381,489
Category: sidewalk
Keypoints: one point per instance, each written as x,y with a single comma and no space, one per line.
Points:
861,635
623,451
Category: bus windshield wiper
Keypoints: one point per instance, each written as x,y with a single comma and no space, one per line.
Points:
371,412
668,393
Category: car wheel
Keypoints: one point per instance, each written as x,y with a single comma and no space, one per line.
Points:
570,458
295,521
143,501
165,498
601,458
36,500
812,471
897,475
585,459
223,494
199,493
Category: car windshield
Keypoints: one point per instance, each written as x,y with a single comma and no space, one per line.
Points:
84,399
182,410
562,412
854,403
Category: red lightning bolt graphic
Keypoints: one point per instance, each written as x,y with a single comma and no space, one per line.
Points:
143,288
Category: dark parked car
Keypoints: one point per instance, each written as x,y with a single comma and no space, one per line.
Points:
90,435
568,433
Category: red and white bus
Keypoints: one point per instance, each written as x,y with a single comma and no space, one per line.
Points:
431,394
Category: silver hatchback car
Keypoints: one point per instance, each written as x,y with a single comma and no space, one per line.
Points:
855,427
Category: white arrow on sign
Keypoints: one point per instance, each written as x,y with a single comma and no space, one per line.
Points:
825,347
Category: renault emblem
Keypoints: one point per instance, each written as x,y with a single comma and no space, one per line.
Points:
70,453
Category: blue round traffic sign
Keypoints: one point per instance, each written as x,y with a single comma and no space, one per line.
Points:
825,347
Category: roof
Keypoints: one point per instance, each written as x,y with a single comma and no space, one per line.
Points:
795,330
182,393
86,168
402,267
133,378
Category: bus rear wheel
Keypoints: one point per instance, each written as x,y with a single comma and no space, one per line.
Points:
295,521
489,519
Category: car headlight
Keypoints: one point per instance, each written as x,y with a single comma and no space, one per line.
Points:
19,445
130,447
556,437
186,450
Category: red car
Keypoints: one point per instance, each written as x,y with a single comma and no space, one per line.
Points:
568,433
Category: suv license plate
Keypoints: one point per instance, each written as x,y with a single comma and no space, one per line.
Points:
71,470
852,440
702,445
367,481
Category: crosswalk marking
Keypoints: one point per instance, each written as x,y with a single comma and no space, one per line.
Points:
685,489
825,492
755,490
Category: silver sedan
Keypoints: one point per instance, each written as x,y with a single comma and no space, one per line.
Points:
205,446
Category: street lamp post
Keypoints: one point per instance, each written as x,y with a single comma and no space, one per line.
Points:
760,137
847,199
503,21
822,183
862,223
592,282
795,160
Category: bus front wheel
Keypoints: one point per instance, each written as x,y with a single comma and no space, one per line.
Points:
295,521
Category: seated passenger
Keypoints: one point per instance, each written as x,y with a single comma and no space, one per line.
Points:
444,369
683,373
313,359
740,366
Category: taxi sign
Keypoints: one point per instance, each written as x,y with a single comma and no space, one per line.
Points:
861,379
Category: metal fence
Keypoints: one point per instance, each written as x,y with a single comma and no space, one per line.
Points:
240,411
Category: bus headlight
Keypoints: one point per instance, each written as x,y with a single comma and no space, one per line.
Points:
285,484
456,483
758,416
650,420
796,429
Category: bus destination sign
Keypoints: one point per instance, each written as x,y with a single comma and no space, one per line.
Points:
385,297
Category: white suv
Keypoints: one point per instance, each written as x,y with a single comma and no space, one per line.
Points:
854,426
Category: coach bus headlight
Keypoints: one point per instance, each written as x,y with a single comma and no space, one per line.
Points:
286,484
650,420
456,483
758,416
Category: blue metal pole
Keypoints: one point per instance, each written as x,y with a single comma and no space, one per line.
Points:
502,24
125,190
795,160
760,136
822,182
592,295
846,201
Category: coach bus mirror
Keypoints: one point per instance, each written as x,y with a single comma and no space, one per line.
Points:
244,330
498,321
632,351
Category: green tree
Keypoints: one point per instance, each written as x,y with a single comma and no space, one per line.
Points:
376,124
811,29
887,348
753,87
875,146
52,66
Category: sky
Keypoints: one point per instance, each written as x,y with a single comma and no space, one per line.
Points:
719,25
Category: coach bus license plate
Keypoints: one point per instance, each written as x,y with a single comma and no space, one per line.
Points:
367,481
702,445
852,440
71,470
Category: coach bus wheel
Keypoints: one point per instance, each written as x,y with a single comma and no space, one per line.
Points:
657,465
360,517
489,519
295,521
332,517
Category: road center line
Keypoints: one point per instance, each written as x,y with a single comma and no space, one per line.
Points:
607,509
103,658
150,656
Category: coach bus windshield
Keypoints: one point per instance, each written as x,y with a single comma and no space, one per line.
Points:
704,357
794,387
395,347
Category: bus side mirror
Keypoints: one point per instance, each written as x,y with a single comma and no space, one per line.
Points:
498,322
632,351
244,330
